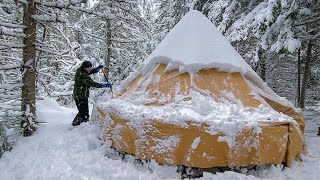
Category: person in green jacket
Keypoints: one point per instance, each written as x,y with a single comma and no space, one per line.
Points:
81,90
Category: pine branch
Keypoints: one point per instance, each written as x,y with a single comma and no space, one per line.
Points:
41,44
128,40
3,96
45,56
10,57
49,51
314,30
9,107
12,66
59,4
56,94
307,21
10,86
49,18
99,14
44,85
119,1
316,36
11,25
12,44
11,33
23,1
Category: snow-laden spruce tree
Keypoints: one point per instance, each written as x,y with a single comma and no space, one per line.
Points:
168,14
42,47
42,50
263,31
10,77
149,14
118,41
307,28
267,25
59,54
10,58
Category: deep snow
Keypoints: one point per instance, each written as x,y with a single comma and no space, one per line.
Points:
59,151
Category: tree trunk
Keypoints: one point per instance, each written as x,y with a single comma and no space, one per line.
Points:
28,105
263,70
262,64
306,73
299,78
107,59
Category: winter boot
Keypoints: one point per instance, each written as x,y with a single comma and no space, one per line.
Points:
76,121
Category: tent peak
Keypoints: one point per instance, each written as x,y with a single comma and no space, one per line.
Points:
195,40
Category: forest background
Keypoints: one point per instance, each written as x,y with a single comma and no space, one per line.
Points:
43,42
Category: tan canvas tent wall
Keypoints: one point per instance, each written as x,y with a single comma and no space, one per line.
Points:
279,141
196,143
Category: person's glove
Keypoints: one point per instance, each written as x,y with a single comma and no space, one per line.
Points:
106,85
99,67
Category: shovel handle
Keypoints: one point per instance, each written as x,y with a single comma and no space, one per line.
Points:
105,72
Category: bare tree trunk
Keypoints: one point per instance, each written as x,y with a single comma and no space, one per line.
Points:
306,73
262,64
263,70
107,59
299,78
28,105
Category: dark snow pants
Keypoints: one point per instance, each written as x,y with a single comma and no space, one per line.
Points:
83,112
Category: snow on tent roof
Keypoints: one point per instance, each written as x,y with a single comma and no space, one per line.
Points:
196,41
194,44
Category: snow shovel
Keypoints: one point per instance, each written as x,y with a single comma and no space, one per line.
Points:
105,72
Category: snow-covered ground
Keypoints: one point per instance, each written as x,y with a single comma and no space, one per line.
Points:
59,151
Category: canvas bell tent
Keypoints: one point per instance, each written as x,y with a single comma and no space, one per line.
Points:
195,102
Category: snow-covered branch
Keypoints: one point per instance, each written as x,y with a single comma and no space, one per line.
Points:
10,57
9,86
56,94
71,5
307,21
49,18
11,66
124,1
23,1
316,36
91,11
11,33
128,40
10,107
59,4
48,51
10,96
12,44
41,44
11,25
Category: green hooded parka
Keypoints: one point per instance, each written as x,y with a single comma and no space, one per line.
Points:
83,82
